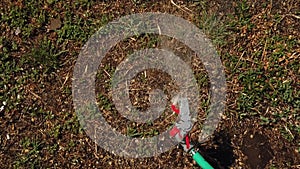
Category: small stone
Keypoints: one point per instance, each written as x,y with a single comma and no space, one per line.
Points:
18,31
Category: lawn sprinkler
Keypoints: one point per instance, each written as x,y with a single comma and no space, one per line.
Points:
180,132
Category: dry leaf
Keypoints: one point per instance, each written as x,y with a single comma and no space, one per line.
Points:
54,24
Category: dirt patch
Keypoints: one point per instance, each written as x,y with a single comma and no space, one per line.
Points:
257,149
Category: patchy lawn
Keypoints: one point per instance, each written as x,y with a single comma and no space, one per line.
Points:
259,45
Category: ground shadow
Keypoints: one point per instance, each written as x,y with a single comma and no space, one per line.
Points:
220,153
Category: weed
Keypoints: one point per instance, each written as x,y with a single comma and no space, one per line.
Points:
30,158
132,132
104,102
45,56
213,27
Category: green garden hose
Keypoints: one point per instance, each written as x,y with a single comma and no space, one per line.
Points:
200,160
